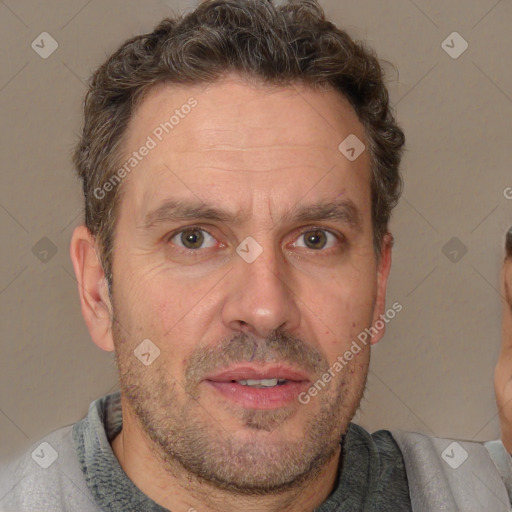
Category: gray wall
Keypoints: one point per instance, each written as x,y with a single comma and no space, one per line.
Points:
433,370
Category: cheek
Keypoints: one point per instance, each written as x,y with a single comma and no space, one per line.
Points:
152,302
349,308
348,313
172,320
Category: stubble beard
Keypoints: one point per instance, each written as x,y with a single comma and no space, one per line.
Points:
255,461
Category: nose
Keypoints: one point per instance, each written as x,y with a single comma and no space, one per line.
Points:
260,296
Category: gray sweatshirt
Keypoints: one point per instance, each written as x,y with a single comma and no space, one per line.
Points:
75,469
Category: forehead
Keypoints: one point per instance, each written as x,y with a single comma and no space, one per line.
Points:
240,140
235,111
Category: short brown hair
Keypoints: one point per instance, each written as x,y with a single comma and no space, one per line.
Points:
278,45
508,244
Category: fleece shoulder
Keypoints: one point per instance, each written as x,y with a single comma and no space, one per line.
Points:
446,474
46,477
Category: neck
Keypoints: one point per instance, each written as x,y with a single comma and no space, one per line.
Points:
176,489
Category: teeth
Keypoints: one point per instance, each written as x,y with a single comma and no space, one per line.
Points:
261,383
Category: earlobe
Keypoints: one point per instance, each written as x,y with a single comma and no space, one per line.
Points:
92,288
384,267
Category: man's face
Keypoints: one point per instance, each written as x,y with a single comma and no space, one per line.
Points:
221,313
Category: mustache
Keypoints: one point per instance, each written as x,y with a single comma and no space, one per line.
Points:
278,347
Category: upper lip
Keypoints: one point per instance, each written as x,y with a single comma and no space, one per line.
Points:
250,371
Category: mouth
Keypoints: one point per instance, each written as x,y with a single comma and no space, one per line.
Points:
256,387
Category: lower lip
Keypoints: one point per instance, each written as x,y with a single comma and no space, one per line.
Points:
260,398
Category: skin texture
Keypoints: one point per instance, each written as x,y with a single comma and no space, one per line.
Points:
503,374
258,152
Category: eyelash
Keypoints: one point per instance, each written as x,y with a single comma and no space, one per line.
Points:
308,229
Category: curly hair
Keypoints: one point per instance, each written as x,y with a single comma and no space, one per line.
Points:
508,244
277,45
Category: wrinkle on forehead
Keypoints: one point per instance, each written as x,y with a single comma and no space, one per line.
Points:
279,131
239,114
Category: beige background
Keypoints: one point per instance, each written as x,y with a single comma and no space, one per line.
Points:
433,371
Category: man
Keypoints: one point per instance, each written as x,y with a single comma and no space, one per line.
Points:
503,376
239,169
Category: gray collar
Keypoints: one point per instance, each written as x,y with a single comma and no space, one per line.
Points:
371,474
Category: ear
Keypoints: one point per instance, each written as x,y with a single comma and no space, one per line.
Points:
383,268
92,288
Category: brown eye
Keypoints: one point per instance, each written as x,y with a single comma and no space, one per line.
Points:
193,238
315,239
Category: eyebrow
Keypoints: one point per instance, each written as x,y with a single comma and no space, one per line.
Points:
343,211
